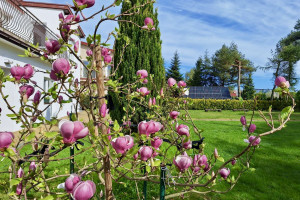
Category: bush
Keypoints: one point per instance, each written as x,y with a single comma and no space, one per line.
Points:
229,104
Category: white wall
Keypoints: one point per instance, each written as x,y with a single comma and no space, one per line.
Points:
10,52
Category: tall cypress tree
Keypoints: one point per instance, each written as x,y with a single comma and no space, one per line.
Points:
143,51
173,71
249,90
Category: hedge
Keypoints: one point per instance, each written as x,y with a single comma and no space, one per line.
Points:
229,104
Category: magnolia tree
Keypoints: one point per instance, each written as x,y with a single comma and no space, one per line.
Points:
163,142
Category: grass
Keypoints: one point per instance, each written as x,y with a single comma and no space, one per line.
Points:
276,177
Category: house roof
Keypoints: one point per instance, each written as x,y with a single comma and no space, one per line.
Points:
66,8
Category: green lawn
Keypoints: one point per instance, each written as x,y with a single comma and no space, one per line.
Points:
277,161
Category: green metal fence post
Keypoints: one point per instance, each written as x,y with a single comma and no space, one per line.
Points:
162,182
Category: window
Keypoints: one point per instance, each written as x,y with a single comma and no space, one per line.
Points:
85,71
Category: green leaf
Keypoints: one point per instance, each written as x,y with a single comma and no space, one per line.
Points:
116,126
15,181
1,74
118,2
11,115
10,152
220,159
285,112
48,198
50,134
156,163
28,109
148,169
30,137
252,169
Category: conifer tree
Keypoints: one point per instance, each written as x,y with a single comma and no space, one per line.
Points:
249,90
143,51
174,70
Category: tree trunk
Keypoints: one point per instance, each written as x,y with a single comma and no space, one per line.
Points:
101,95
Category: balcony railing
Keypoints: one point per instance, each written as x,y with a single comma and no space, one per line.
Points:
20,23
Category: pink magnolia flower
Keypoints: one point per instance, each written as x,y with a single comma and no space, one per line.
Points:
19,189
37,97
233,162
224,172
171,82
77,18
257,141
89,3
103,110
28,71
148,22
76,47
161,93
154,101
143,90
17,72
60,99
60,66
84,190
200,162
187,145
216,154
156,142
174,114
73,131
32,166
287,84
181,84
71,181
183,130
61,16
252,128
127,124
122,144
20,173
104,51
107,59
6,138
52,46
135,156
149,127
145,153
243,120
89,52
155,154
26,91
182,162
145,81
68,19
150,103
142,73
280,81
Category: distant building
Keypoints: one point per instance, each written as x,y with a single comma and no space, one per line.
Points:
24,23
208,92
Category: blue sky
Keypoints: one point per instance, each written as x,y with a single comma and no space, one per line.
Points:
193,26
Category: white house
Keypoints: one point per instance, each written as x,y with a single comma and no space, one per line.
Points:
23,23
